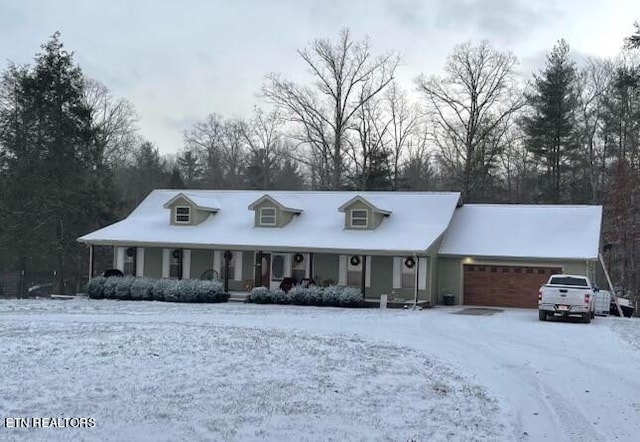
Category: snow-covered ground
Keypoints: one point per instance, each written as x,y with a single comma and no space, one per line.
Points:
161,371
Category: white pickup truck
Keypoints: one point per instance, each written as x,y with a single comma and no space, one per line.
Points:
567,295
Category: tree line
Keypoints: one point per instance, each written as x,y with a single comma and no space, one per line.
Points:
72,158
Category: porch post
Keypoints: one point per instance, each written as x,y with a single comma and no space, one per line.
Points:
417,281
91,262
364,275
227,255
311,267
258,283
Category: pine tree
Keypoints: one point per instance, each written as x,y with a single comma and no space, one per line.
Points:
58,186
550,126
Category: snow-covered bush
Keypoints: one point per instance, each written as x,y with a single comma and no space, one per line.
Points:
142,289
211,291
128,287
278,296
260,295
350,297
95,287
335,296
314,296
110,286
160,287
123,287
298,295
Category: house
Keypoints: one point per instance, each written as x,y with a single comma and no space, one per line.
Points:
411,245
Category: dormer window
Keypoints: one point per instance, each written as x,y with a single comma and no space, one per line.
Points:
183,215
359,219
267,216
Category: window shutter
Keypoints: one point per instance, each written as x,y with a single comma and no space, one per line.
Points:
217,262
367,276
165,262
397,272
422,275
342,270
237,272
140,261
186,264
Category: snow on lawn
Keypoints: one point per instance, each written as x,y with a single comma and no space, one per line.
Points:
162,371
154,371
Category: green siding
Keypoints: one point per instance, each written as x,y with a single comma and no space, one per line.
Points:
201,261
282,216
448,279
153,262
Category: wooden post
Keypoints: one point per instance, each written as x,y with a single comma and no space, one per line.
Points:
258,278
92,265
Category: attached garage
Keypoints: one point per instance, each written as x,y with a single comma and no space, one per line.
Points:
504,286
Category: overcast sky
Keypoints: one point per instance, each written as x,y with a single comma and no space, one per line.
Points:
178,61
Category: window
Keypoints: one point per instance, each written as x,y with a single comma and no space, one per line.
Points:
359,218
268,216
183,215
277,269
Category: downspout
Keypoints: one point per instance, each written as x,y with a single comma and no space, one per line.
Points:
415,290
364,275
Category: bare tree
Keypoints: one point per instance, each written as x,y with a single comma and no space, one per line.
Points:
405,128
469,106
264,138
322,111
114,120
216,143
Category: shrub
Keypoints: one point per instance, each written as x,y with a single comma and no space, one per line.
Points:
160,287
95,287
110,286
278,296
298,295
211,291
186,290
351,297
314,296
260,295
142,289
331,295
123,287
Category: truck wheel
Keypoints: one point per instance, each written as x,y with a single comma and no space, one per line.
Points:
587,318
542,315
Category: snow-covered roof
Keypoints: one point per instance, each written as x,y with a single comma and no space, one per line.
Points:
417,220
526,231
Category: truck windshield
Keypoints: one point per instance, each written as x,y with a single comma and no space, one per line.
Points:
568,280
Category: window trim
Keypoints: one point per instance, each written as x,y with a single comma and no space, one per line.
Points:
365,218
176,215
262,216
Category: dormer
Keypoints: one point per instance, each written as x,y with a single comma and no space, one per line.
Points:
272,212
360,214
189,210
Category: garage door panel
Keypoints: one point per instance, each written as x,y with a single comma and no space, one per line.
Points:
504,286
